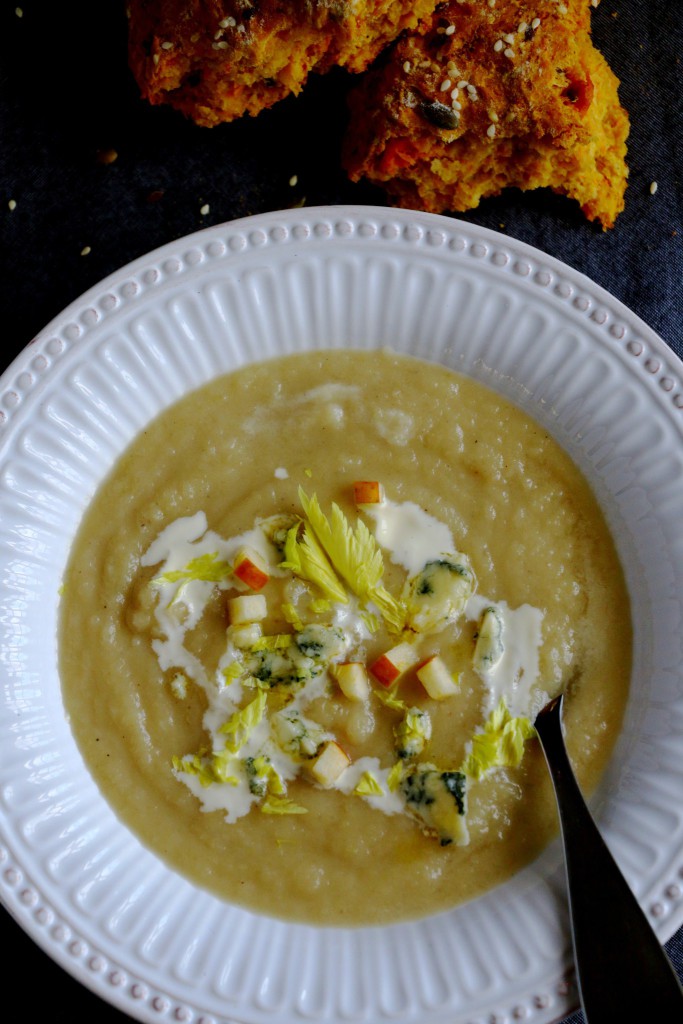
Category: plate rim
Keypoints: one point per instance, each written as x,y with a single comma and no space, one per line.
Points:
486,234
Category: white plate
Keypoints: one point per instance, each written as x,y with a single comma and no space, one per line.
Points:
593,374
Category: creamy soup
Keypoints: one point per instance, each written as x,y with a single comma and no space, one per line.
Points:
302,734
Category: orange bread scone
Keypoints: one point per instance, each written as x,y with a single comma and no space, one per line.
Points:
491,95
215,60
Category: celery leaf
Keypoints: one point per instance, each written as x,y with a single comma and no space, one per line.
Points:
355,556
499,745
239,727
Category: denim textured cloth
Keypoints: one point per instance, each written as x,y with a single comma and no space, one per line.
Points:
66,98
63,102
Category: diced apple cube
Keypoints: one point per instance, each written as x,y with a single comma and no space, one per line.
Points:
368,492
245,635
353,680
329,764
436,678
247,608
392,664
249,567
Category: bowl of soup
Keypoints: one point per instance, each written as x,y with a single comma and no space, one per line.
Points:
307,516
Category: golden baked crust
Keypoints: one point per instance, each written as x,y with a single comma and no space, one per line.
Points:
488,97
215,60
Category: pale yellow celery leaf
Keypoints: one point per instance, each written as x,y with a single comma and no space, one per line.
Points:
240,726
254,683
412,732
393,611
232,671
265,770
276,784
221,765
395,776
306,558
207,567
276,642
291,616
418,725
390,700
368,786
193,764
499,745
355,555
371,621
281,805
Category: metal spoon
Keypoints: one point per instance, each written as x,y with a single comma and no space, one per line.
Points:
622,970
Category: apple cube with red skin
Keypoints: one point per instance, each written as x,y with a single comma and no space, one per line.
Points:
368,492
329,764
250,569
392,664
436,678
353,680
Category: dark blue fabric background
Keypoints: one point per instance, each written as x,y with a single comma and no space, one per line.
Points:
65,93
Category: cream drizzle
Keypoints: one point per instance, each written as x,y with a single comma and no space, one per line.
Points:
412,536
515,677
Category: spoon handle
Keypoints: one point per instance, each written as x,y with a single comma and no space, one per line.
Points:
622,970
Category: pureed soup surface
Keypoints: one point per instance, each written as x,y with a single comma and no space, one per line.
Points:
482,510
